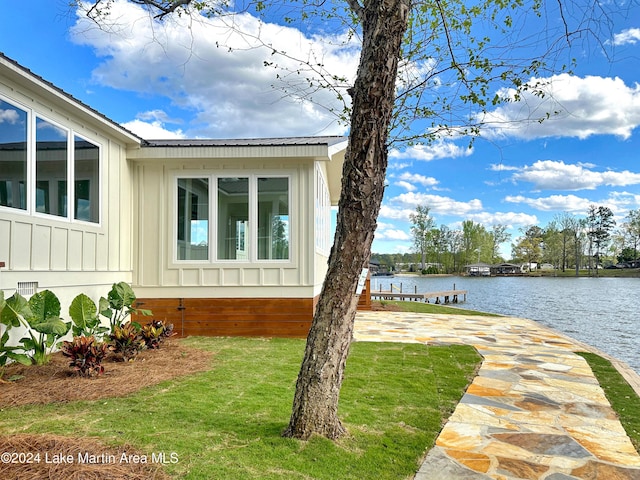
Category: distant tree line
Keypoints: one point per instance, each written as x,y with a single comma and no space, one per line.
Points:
567,242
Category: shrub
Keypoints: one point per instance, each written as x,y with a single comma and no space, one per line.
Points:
155,332
152,334
86,355
126,341
432,270
168,331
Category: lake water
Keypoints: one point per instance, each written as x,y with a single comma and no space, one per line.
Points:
603,312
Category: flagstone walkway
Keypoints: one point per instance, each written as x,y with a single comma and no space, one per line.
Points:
534,411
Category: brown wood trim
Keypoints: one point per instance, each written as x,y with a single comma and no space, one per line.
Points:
265,317
262,317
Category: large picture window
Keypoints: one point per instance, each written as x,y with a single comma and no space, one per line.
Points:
251,219
44,165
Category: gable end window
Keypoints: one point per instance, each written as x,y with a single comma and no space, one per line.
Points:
43,165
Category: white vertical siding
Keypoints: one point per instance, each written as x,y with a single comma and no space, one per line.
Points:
158,272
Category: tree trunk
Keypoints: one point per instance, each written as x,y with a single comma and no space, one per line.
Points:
315,404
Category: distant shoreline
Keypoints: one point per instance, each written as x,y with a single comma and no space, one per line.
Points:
605,273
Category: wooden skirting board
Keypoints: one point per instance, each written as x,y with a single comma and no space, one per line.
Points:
251,317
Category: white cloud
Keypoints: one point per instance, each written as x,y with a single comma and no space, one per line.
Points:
150,125
510,219
501,167
419,179
152,130
399,165
392,234
619,202
435,151
630,35
408,181
187,60
395,213
9,116
579,107
557,175
403,205
406,185
559,203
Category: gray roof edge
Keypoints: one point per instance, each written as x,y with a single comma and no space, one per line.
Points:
329,141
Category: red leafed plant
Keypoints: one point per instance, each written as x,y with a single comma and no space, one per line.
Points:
155,332
86,355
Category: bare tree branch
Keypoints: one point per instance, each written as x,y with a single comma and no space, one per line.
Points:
165,8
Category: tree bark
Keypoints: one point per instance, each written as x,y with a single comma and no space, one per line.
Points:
315,405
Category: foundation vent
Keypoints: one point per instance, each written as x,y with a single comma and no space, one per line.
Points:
27,288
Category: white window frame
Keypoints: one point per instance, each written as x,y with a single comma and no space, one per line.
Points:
30,183
28,111
32,159
72,191
213,217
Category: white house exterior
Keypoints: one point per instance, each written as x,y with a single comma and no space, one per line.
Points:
217,236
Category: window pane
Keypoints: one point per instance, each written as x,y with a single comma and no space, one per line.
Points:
86,173
193,219
273,218
51,168
13,156
233,218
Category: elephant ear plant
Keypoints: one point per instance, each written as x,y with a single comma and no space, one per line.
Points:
46,326
86,321
119,305
10,353
41,317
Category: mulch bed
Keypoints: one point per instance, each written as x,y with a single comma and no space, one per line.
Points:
41,457
56,382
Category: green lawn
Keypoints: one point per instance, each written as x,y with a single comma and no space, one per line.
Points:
226,423
422,307
622,397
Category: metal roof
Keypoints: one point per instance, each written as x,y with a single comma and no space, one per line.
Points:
247,142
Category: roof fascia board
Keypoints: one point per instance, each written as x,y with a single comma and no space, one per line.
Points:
312,152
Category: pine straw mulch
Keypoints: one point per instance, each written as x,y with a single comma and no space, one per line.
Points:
56,382
56,447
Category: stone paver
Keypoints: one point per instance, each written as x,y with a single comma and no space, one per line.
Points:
534,411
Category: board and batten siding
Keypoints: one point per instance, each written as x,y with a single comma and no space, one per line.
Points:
159,274
60,254
63,255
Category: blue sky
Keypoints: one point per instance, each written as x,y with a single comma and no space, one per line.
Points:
179,79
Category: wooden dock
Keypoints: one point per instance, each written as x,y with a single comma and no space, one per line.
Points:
447,296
